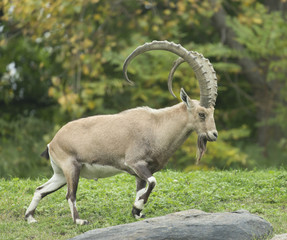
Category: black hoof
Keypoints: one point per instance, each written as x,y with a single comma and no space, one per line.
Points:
137,213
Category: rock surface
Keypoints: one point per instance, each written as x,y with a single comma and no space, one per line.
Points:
190,224
280,237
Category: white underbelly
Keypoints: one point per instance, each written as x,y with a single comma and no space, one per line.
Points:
91,171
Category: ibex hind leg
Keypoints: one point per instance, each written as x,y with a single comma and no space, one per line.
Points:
144,176
56,182
72,175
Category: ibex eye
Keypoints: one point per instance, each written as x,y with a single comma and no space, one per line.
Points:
202,116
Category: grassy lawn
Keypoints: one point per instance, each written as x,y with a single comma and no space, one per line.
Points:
108,202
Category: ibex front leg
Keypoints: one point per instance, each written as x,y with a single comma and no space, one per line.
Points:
144,176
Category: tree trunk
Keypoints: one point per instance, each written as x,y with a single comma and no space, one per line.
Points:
276,5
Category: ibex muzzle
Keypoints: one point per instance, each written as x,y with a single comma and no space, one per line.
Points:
138,141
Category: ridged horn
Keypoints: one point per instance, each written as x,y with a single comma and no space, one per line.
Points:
200,65
206,72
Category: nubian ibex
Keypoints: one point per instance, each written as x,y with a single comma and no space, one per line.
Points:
137,141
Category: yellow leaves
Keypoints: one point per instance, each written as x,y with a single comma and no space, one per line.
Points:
97,17
181,6
167,12
56,81
247,3
98,56
51,92
253,13
138,11
3,42
5,2
85,69
87,93
54,90
201,10
87,43
88,98
172,23
73,39
70,103
108,48
91,105
82,57
155,28
142,22
149,4
249,20
257,20
68,99
243,19
172,4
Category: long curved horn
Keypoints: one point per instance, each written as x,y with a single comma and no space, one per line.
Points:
206,69
175,65
206,85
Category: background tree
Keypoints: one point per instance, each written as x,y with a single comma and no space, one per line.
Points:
258,36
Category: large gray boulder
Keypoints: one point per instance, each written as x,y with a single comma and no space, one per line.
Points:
190,224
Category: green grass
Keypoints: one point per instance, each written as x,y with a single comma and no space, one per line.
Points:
109,201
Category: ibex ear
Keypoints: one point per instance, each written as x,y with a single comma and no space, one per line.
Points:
185,98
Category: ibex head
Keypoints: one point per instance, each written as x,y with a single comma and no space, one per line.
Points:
201,112
202,121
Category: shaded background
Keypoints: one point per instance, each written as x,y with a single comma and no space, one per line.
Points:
61,60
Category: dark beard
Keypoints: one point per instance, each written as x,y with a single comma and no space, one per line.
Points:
201,147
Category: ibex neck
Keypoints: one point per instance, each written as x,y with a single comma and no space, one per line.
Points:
172,128
175,116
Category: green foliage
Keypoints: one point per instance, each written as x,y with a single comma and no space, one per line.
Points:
61,61
261,32
108,202
21,141
225,152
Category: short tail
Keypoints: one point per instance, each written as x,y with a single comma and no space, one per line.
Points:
45,154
